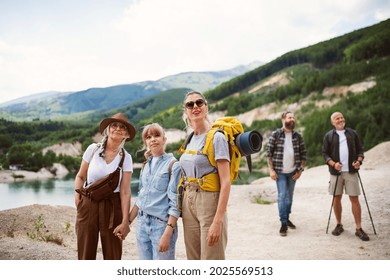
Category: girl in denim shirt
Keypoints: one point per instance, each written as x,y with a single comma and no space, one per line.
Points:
156,205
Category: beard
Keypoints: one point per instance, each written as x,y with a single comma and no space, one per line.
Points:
340,126
290,125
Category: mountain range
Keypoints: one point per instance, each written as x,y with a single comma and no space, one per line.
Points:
60,105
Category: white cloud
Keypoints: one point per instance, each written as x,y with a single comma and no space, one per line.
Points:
96,45
382,14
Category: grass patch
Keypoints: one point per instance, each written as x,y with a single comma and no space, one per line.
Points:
258,199
42,233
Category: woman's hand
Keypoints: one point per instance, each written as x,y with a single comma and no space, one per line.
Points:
77,199
122,230
214,234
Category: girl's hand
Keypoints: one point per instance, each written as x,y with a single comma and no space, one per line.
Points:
163,244
121,231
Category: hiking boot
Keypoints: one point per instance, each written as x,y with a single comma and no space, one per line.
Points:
291,225
338,230
362,235
283,230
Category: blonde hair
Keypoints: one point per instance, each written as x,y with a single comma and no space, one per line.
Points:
151,129
185,117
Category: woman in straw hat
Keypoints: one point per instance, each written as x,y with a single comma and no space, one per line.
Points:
108,217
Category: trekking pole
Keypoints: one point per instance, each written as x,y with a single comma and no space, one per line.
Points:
365,198
334,194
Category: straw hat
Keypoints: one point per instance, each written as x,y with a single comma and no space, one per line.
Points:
119,117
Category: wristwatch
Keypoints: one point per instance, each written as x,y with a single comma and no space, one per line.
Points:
300,169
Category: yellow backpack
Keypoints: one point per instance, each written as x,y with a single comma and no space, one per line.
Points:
232,128
240,144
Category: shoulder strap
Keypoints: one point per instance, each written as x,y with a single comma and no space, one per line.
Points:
143,165
183,147
122,159
208,148
170,167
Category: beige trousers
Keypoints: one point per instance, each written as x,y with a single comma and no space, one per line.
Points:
199,208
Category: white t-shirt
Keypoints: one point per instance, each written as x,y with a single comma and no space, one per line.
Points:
343,150
154,160
98,168
288,154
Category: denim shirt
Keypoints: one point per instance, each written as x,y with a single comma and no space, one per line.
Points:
157,190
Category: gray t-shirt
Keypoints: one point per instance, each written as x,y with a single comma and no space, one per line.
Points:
196,166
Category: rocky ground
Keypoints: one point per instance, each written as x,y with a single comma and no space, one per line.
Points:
253,227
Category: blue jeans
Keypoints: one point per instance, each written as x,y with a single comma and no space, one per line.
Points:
286,186
149,231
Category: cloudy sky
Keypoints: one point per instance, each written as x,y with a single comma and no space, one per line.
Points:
70,45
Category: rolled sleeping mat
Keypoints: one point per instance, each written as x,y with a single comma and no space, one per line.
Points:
248,143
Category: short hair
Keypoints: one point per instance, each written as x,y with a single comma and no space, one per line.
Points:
284,115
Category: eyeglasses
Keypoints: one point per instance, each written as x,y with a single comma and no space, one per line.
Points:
119,126
191,104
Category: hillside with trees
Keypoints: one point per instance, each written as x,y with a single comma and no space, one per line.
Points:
353,58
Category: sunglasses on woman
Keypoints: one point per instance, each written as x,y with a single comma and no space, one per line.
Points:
118,126
191,104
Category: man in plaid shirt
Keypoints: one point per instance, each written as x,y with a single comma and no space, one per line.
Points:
286,155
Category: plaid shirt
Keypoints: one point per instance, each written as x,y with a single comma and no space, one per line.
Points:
275,148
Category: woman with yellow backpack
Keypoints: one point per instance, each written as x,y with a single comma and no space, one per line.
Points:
206,188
